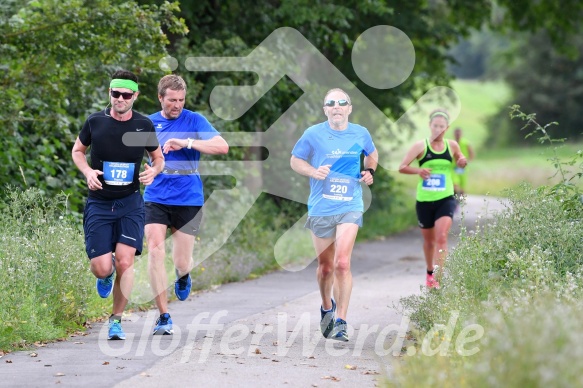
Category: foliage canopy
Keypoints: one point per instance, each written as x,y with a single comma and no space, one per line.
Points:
58,55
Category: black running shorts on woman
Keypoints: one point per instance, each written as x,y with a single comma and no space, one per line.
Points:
429,212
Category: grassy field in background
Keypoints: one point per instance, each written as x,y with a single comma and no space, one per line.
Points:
479,100
495,170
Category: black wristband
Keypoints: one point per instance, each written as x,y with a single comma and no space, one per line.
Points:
370,170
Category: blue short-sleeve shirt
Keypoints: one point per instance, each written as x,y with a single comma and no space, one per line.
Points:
321,145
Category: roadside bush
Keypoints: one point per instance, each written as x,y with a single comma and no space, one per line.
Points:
44,280
535,243
527,346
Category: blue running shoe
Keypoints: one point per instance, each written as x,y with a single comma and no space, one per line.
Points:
182,287
340,330
104,286
115,330
327,320
163,325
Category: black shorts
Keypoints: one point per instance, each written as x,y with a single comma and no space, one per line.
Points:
429,212
108,222
184,218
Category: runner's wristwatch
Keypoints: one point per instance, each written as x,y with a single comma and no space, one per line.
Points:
370,170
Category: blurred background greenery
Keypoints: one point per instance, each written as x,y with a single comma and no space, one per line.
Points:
58,55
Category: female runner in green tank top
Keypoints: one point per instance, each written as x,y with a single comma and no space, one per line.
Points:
435,200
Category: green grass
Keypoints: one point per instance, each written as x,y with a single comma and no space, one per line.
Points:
494,171
479,100
46,289
530,347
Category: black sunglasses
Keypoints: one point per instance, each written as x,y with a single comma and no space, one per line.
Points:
340,102
126,96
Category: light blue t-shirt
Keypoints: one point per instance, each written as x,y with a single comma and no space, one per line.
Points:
172,188
340,192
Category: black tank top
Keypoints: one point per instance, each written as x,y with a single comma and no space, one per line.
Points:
432,155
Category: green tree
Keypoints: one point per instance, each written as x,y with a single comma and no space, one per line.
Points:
547,80
57,56
476,56
235,27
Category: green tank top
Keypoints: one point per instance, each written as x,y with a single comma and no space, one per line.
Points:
440,183
464,147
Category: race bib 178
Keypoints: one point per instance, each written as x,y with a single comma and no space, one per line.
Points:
118,173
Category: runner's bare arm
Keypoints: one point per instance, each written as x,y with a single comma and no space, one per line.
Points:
471,152
214,146
460,159
147,176
415,152
304,168
80,160
372,160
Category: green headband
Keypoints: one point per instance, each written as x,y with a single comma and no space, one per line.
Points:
124,83
443,114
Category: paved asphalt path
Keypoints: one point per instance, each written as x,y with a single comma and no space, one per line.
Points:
261,332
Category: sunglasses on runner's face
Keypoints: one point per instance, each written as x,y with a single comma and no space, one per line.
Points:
340,102
126,96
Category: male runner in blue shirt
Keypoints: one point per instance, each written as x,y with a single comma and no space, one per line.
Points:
175,198
329,153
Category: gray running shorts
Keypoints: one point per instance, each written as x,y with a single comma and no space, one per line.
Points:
325,226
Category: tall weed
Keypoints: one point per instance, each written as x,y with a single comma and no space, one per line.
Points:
529,345
44,280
